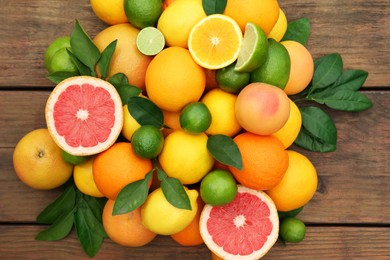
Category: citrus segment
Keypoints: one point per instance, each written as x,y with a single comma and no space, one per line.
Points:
150,41
236,231
215,41
84,115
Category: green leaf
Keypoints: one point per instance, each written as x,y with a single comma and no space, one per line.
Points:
58,76
125,90
318,132
84,48
62,205
132,196
225,150
89,230
96,205
59,229
145,112
351,79
105,59
214,6
175,193
83,70
347,100
327,70
298,30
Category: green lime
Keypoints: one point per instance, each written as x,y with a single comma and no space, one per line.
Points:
254,49
73,159
57,44
231,80
276,68
218,188
289,214
150,41
292,230
61,61
141,13
195,118
147,141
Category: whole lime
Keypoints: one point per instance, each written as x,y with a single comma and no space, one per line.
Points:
73,159
141,13
292,230
195,118
218,188
56,45
289,214
61,61
231,80
147,141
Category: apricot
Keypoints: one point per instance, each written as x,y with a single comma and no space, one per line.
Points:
262,108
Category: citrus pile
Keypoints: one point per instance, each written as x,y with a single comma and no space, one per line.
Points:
224,75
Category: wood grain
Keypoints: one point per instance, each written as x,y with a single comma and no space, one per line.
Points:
355,29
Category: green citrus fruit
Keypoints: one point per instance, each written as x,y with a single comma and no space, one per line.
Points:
289,214
195,118
147,141
276,68
292,230
231,80
254,49
150,41
142,13
56,45
61,61
73,159
218,188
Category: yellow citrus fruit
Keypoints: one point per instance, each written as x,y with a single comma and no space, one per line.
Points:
264,13
186,157
126,58
301,68
279,28
161,217
129,124
118,166
38,162
264,161
290,130
83,178
180,16
111,12
298,185
167,79
221,105
126,229
215,41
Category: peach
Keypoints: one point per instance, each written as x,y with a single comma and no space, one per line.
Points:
262,109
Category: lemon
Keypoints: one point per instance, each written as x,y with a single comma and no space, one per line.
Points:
185,156
142,13
279,28
129,124
83,178
161,217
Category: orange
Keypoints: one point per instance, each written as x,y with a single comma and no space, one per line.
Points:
167,3
298,185
190,236
126,229
264,161
38,162
111,12
301,68
118,166
215,41
172,120
211,81
127,58
264,13
173,79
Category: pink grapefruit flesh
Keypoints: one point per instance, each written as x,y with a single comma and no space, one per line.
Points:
84,115
246,228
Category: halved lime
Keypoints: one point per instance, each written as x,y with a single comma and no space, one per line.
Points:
150,41
254,49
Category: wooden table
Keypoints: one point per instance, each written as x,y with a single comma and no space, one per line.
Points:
348,217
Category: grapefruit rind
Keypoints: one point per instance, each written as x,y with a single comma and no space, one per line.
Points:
256,254
114,131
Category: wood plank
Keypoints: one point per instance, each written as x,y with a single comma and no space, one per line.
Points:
320,243
352,185
355,29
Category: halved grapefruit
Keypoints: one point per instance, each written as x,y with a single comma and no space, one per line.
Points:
84,115
246,228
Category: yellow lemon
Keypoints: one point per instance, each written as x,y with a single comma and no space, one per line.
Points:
83,178
129,124
279,28
111,12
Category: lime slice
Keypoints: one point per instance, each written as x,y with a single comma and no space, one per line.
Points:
150,41
254,49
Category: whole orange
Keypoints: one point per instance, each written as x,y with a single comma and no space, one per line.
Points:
126,229
264,161
173,79
126,58
118,166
